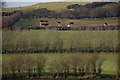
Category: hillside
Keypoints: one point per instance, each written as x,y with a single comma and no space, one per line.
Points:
60,11
55,6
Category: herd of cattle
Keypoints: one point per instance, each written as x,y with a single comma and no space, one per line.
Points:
78,28
45,25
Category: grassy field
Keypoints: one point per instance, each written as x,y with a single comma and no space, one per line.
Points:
39,39
55,6
64,22
109,67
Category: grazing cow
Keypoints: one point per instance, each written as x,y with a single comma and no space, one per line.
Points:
71,22
30,27
44,22
68,25
105,24
58,23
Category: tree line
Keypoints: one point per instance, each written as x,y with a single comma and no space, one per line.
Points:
9,19
54,41
26,66
91,10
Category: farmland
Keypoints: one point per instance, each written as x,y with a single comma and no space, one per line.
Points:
55,6
84,48
90,17
109,67
60,41
24,23
52,54
59,46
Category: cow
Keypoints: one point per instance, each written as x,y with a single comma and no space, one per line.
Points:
45,24
58,24
43,20
68,25
71,22
105,24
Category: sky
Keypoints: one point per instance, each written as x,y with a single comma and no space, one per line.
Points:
32,0
18,3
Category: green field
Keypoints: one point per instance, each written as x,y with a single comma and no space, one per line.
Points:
109,66
40,39
55,6
60,47
64,22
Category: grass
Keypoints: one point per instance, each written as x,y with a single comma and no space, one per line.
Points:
19,38
55,6
109,66
29,39
64,22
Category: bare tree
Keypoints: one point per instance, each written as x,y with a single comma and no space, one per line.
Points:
20,59
94,59
60,45
5,68
100,63
60,67
70,41
55,67
65,66
118,72
28,65
15,64
75,63
40,63
12,66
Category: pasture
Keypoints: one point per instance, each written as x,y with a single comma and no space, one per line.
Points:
61,46
36,41
51,53
109,66
54,6
24,23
